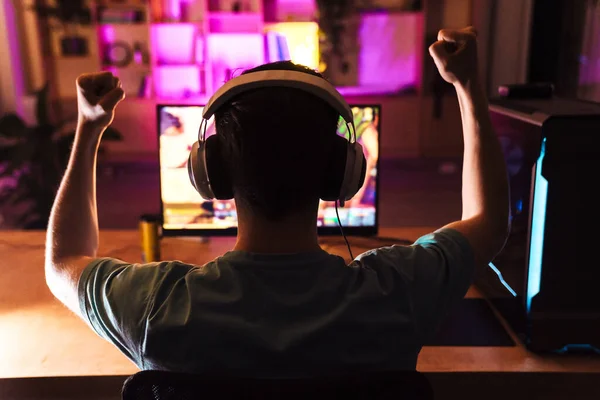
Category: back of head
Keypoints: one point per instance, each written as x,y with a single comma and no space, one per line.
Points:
276,142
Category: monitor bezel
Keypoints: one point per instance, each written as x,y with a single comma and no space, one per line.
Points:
229,232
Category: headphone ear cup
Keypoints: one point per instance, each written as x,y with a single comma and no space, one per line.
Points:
336,168
197,172
360,180
354,172
219,176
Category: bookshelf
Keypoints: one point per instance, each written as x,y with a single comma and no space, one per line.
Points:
388,53
156,48
182,50
165,50
179,49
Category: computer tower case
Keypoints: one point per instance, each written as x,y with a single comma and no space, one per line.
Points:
546,280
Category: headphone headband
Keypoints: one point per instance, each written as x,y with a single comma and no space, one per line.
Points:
347,162
279,78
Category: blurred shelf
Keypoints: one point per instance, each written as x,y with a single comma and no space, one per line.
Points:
231,14
82,59
231,22
121,24
192,23
131,67
389,10
126,6
200,66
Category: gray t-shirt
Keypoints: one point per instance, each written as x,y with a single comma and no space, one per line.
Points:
279,315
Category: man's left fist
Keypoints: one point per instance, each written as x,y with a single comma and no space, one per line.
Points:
97,97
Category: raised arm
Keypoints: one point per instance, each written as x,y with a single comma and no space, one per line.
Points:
485,196
72,237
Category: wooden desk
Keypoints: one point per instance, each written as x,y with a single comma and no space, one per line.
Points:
39,337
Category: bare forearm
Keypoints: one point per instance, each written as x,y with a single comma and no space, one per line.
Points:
73,225
485,184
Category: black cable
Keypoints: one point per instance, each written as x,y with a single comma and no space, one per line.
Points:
342,230
369,241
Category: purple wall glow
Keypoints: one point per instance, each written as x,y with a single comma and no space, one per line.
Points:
107,33
178,81
172,9
174,43
387,58
230,52
389,44
227,22
296,10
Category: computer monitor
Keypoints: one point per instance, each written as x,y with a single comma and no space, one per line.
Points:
185,213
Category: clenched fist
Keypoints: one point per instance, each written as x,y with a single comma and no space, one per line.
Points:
97,97
455,55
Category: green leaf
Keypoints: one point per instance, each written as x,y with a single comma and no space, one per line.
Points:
16,157
73,11
41,107
4,198
8,192
12,126
4,172
7,173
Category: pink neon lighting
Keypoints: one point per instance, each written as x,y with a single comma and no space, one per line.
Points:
388,51
296,10
236,49
178,81
174,43
230,53
387,54
108,34
173,9
228,22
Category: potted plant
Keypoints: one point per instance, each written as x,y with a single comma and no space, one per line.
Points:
70,14
32,162
332,15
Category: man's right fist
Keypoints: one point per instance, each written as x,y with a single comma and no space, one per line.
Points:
97,96
455,55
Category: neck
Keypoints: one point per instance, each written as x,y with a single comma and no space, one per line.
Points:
294,234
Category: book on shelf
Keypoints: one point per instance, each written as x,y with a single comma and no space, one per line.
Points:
108,15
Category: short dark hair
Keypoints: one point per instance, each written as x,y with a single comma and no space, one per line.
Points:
276,141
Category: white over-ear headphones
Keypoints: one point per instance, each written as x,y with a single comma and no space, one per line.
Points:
206,168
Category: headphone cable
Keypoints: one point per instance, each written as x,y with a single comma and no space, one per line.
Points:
342,230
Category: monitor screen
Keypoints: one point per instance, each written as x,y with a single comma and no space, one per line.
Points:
185,213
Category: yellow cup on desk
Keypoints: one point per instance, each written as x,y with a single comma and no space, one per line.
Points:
150,237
